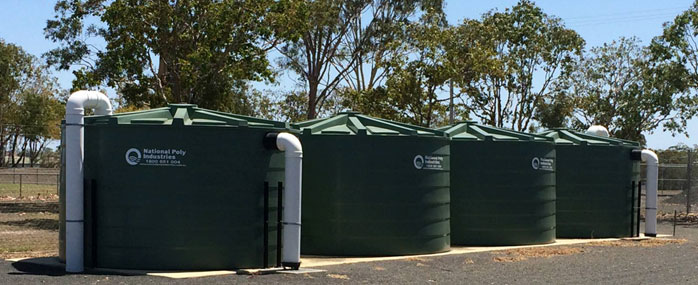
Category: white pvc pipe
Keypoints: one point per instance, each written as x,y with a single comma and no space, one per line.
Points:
291,233
651,192
74,155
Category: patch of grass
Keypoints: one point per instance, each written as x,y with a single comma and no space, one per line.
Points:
28,234
12,190
338,276
653,242
521,254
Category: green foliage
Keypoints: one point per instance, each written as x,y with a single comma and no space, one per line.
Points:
677,48
350,42
30,111
619,86
507,61
193,51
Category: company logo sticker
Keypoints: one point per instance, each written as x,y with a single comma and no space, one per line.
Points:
156,157
541,163
133,156
418,162
430,162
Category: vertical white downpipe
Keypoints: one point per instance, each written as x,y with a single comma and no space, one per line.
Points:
291,234
74,150
651,192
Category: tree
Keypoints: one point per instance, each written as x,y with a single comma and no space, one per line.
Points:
347,41
193,51
619,86
508,61
30,111
677,47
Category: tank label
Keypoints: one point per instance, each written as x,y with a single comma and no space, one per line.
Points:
543,163
431,162
155,157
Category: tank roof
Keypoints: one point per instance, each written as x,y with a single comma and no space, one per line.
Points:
184,115
571,137
354,123
470,130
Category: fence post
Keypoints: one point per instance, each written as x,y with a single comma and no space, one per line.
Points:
20,185
689,169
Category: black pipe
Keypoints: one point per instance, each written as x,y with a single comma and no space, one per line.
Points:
632,209
266,225
639,205
279,225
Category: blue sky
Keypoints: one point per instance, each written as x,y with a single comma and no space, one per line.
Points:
598,21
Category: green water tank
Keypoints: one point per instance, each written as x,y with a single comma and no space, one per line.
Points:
502,186
373,187
595,179
180,188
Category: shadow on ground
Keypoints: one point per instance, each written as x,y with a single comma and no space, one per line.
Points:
51,266
47,266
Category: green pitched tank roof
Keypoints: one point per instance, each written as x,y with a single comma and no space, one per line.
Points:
353,123
470,130
570,137
184,115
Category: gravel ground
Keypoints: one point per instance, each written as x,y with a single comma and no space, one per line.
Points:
613,263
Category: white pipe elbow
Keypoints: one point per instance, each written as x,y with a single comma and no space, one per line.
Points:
649,156
81,100
289,144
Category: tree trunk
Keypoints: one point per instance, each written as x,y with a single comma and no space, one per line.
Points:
312,99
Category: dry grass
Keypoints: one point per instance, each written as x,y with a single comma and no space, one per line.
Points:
33,190
521,254
28,230
338,276
653,242
418,259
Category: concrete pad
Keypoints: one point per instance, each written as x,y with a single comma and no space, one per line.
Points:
193,274
302,271
319,261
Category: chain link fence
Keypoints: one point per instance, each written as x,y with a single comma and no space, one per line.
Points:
29,182
677,193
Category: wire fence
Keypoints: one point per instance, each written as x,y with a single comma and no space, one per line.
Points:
29,182
678,189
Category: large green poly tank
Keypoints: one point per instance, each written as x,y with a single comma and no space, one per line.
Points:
373,187
502,186
180,188
595,179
